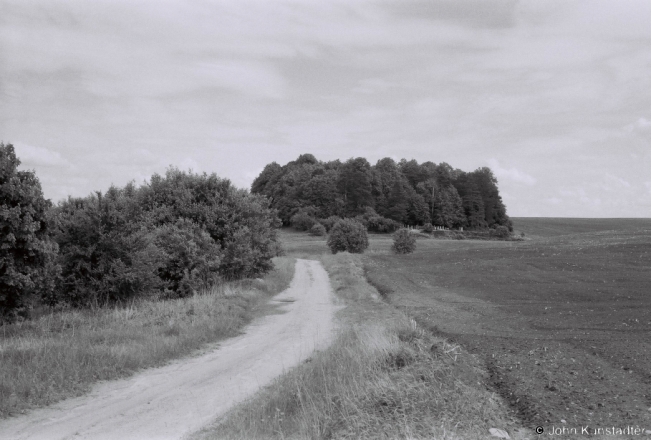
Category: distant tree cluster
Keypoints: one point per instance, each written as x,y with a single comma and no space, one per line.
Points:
383,196
167,238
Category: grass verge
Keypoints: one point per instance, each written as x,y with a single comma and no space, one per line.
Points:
61,354
383,377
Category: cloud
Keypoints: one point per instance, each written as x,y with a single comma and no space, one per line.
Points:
32,156
618,180
512,174
641,125
229,86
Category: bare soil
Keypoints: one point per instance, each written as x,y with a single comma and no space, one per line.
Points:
175,400
562,322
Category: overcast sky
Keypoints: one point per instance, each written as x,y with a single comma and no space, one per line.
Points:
554,96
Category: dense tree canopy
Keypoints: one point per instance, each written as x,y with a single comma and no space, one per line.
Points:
405,192
27,254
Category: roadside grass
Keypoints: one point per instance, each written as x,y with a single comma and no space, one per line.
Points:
61,354
384,377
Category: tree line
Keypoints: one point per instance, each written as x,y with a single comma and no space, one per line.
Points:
168,238
383,196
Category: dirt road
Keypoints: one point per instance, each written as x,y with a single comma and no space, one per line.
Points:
177,399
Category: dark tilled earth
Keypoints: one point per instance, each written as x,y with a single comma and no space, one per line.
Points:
561,322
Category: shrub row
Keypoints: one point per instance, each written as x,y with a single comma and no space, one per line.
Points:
168,238
304,220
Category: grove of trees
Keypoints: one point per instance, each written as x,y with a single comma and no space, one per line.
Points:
386,195
168,238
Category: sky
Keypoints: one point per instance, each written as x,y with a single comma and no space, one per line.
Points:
554,96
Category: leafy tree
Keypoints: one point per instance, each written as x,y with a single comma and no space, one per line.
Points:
320,191
412,172
473,203
448,208
348,235
355,185
404,242
267,178
397,203
385,174
27,255
494,209
417,208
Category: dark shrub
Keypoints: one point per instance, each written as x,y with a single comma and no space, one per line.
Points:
500,232
167,235
190,260
404,242
329,222
381,224
302,221
318,230
348,235
428,228
105,254
27,255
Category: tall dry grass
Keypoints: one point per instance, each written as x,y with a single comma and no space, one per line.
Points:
382,378
61,354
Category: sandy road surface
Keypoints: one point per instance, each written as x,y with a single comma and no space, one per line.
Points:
179,398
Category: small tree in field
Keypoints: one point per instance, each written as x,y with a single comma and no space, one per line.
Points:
404,242
27,255
348,235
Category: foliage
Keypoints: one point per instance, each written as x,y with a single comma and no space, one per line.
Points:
170,237
303,221
318,230
27,255
348,235
329,222
105,254
500,232
404,242
406,192
190,260
428,228
382,225
397,203
376,223
355,185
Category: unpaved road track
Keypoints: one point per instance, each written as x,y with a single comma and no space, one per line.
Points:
177,399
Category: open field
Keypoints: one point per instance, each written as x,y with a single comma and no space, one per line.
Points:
561,321
553,227
61,354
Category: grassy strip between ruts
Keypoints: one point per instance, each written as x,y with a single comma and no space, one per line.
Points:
383,377
61,354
